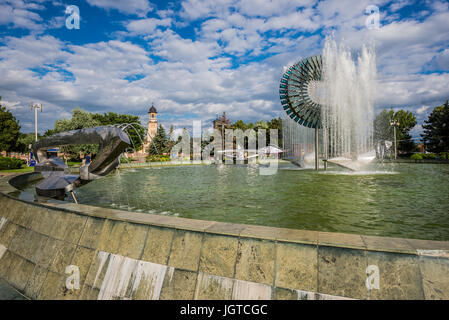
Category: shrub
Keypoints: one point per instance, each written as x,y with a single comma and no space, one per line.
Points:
416,156
444,155
10,163
429,156
157,158
125,160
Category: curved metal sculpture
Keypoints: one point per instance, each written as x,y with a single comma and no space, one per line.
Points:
112,141
295,91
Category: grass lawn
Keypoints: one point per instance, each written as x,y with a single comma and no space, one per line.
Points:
73,164
23,169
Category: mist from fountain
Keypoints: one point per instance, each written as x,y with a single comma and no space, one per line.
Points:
347,99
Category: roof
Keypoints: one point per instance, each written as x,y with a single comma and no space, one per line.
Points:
152,109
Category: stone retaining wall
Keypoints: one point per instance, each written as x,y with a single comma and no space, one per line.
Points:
126,255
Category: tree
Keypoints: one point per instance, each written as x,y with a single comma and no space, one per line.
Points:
81,119
160,142
276,124
407,121
384,131
239,125
24,141
436,129
9,129
112,118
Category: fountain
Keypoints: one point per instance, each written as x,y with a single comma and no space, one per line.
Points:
333,94
112,142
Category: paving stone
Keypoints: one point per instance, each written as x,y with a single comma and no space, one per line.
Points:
399,276
178,285
185,251
342,272
211,287
344,240
133,240
9,293
50,286
218,255
435,277
111,234
158,244
19,272
296,266
255,261
75,228
285,294
35,281
92,232
8,233
388,244
63,257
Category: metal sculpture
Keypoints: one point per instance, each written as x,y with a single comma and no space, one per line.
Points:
295,88
295,93
112,142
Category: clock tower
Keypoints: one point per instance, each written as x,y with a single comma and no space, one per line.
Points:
151,126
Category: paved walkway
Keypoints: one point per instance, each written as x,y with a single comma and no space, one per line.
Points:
8,293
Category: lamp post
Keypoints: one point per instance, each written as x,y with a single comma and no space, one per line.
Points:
317,166
35,107
395,123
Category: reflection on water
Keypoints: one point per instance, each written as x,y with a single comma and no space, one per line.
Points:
403,200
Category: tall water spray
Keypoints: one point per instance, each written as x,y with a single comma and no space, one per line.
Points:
347,99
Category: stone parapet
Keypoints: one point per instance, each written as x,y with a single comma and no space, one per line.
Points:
128,255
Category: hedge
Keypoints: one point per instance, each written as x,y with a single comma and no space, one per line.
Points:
10,163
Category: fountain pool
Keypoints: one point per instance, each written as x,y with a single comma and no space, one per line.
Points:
396,200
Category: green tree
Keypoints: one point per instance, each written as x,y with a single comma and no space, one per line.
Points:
24,141
81,119
436,129
9,129
384,131
276,124
112,118
160,142
407,121
239,125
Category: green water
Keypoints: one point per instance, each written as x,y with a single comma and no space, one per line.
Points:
399,200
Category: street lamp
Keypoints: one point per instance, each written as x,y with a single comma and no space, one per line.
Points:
395,123
35,107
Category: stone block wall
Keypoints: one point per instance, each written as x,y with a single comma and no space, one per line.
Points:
126,255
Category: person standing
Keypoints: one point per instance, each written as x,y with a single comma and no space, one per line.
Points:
88,158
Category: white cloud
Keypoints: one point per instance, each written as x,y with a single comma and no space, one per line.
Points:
194,9
19,14
422,109
147,26
137,7
269,8
233,62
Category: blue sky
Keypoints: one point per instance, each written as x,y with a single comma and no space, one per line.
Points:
197,58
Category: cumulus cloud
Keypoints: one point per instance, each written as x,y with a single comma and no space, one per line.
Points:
137,7
147,26
20,14
422,109
232,60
